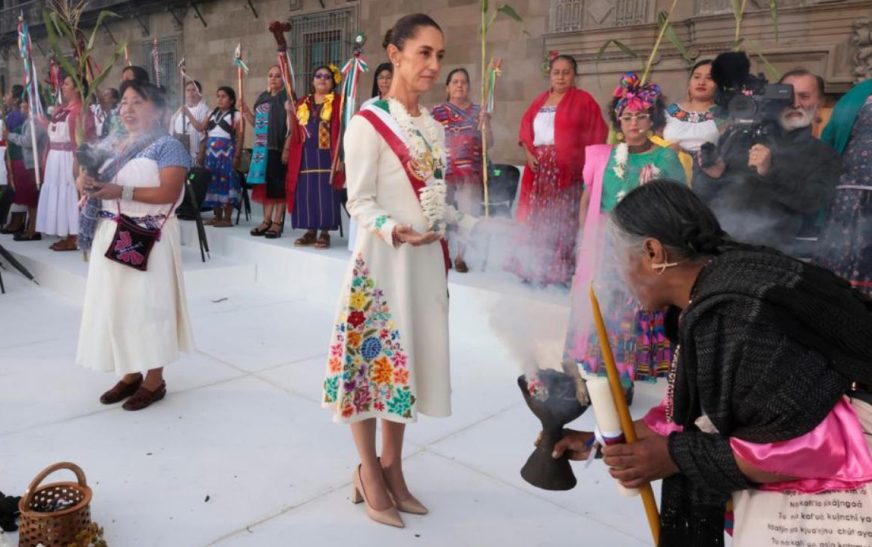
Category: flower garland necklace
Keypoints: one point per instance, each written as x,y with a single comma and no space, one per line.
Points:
428,160
326,109
622,156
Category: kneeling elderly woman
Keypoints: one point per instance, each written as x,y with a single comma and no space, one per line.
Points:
765,401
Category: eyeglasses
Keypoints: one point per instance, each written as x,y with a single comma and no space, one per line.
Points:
323,76
635,117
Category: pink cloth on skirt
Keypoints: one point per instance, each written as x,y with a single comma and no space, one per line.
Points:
832,456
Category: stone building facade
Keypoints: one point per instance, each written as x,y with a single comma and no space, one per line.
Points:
830,37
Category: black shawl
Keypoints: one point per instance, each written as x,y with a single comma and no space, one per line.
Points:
278,124
768,346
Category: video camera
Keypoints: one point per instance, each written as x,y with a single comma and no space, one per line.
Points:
751,102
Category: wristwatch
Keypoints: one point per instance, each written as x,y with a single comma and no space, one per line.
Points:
127,192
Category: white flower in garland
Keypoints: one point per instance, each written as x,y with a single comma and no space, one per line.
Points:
622,154
428,159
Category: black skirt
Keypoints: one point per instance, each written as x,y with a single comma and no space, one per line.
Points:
275,175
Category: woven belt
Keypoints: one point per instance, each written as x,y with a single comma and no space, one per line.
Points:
62,146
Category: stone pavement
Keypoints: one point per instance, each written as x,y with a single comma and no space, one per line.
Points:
240,452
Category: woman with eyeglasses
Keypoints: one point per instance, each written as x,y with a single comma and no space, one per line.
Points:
311,181
610,173
555,130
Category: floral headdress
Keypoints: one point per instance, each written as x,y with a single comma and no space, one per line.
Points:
337,75
634,95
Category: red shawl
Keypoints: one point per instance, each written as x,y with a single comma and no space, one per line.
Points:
578,123
295,151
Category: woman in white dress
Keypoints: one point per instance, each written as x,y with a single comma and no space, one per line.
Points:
58,209
195,111
135,321
388,355
381,84
694,121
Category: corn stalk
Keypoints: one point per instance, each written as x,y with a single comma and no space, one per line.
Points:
63,27
738,8
487,19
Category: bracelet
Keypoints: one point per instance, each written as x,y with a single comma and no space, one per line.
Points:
127,192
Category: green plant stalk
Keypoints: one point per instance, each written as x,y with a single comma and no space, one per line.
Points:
739,14
657,43
484,173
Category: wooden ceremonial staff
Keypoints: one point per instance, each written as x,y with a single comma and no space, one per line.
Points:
279,29
646,491
240,68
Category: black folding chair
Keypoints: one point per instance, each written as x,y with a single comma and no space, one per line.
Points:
196,184
503,180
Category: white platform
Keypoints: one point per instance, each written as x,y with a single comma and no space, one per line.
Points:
242,425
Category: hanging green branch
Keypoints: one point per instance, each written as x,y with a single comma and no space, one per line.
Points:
665,26
665,29
656,47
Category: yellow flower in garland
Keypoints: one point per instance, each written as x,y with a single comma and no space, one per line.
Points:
326,109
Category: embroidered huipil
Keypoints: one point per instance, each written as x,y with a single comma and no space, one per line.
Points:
388,353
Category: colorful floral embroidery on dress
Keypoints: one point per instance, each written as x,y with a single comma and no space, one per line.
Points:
367,370
380,221
691,117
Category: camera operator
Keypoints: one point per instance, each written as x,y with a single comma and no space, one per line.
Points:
769,180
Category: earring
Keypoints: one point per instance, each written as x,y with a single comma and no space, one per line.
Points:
661,267
619,135
650,133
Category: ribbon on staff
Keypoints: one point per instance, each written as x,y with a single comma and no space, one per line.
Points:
287,70
32,86
278,29
494,71
350,79
155,62
237,59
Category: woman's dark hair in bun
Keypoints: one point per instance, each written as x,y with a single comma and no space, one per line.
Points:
407,27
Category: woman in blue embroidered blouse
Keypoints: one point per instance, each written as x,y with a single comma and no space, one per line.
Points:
135,322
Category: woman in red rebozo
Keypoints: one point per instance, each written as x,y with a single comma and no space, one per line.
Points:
556,128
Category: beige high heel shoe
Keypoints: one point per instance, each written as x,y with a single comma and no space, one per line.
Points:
410,505
387,516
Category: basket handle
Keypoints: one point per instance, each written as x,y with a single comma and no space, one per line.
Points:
80,476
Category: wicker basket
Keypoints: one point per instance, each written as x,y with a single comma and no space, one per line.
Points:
53,514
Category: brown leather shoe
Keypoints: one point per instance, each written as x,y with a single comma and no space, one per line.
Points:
143,397
120,391
460,266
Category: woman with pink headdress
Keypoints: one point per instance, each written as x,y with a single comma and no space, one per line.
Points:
611,172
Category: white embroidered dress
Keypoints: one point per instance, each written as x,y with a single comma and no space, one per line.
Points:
133,321
389,348
58,210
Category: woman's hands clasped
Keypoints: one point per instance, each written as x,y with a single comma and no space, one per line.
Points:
404,233
86,184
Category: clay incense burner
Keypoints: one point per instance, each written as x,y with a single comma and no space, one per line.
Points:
551,396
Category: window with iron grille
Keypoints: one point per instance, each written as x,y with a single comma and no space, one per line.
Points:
168,54
320,39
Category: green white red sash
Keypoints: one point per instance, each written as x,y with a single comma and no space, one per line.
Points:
378,115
